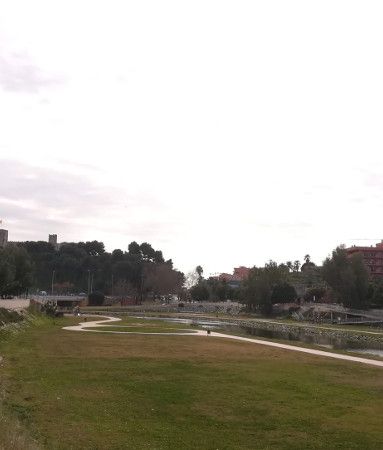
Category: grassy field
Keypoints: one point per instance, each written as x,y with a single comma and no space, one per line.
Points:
214,316
140,329
72,390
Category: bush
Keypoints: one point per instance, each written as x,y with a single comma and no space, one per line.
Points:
283,293
200,292
9,316
49,308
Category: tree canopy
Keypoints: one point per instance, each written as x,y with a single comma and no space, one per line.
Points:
265,285
79,267
15,271
348,277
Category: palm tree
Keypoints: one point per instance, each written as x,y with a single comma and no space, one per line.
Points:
296,266
199,271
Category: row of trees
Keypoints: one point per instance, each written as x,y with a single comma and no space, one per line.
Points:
263,287
341,279
85,267
16,271
142,272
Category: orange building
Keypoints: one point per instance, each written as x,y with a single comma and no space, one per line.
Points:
239,274
372,257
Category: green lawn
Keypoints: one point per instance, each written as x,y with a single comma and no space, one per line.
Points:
145,322
73,390
140,329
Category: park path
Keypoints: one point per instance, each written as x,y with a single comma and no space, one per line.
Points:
82,326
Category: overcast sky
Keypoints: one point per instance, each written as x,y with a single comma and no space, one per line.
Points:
224,133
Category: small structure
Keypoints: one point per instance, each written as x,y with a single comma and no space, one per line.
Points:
3,238
53,241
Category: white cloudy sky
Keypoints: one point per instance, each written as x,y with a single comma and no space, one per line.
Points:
222,132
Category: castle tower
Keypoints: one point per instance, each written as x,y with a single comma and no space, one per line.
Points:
53,240
3,238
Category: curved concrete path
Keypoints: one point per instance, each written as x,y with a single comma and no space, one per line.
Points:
82,326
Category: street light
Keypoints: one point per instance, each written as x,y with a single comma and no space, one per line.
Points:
53,279
88,282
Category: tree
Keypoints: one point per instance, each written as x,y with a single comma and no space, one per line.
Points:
191,279
76,265
117,255
308,265
7,273
134,248
375,293
15,270
259,287
158,258
200,292
347,277
163,280
147,252
43,256
283,293
93,248
199,271
296,265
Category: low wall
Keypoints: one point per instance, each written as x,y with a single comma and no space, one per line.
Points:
231,308
298,330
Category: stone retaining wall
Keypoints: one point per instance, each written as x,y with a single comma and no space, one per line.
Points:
299,330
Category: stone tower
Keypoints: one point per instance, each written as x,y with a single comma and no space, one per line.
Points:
53,240
3,238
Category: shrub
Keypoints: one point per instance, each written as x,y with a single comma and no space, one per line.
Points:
7,316
49,308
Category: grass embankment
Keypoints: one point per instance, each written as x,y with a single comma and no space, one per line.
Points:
7,316
13,435
99,391
244,317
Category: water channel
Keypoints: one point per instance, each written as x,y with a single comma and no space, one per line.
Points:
324,341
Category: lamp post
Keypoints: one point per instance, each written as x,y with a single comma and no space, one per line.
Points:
88,282
53,279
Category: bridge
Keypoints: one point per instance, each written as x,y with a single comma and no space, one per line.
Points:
337,314
58,298
64,302
360,321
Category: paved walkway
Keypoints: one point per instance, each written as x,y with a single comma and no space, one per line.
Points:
103,320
